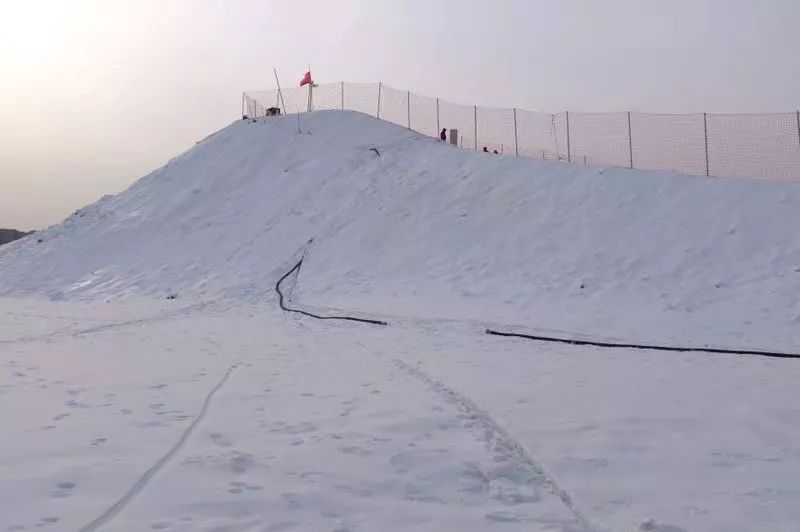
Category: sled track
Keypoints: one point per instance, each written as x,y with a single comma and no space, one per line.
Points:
140,484
501,437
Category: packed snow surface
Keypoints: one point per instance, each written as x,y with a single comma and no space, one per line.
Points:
149,380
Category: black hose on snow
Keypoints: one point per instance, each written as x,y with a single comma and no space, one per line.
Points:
572,341
282,303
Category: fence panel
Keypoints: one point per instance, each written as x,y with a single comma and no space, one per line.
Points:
361,97
258,101
599,138
757,146
296,99
542,135
327,96
496,130
673,143
394,106
754,146
461,117
423,115
249,103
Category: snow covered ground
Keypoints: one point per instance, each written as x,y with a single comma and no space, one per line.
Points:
417,426
124,410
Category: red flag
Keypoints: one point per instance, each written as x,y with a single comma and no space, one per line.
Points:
306,79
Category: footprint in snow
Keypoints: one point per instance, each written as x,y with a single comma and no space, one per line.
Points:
220,440
63,489
651,526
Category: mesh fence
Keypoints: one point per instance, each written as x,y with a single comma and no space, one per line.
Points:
754,145
425,115
394,106
675,143
599,138
328,96
730,145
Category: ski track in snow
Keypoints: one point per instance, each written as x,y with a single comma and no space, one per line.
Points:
141,484
500,438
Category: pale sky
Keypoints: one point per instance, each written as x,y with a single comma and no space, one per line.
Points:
96,93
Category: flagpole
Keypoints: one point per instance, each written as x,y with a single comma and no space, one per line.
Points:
310,92
280,93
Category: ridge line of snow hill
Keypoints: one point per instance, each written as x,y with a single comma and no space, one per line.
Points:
432,231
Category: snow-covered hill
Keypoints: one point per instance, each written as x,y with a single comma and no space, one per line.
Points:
426,229
123,410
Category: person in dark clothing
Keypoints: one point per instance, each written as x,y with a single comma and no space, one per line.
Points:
443,134
495,152
485,150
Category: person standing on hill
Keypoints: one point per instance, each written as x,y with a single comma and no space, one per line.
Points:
443,134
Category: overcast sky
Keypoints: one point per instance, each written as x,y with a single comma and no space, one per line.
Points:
95,94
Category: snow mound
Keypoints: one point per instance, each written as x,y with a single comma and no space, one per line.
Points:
421,228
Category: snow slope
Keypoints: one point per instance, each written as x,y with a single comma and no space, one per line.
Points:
122,410
429,230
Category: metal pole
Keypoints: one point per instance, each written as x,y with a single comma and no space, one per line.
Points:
798,127
280,92
437,116
310,96
343,96
630,139
243,100
475,108
378,114
516,143
408,107
569,148
705,135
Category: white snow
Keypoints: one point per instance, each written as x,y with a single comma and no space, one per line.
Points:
124,410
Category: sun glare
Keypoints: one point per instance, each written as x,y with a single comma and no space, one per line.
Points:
36,35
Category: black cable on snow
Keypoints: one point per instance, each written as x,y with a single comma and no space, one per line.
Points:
282,303
572,341
376,151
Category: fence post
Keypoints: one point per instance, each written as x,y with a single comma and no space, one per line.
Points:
705,135
343,96
408,107
378,114
569,148
798,127
630,139
475,108
437,116
516,142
